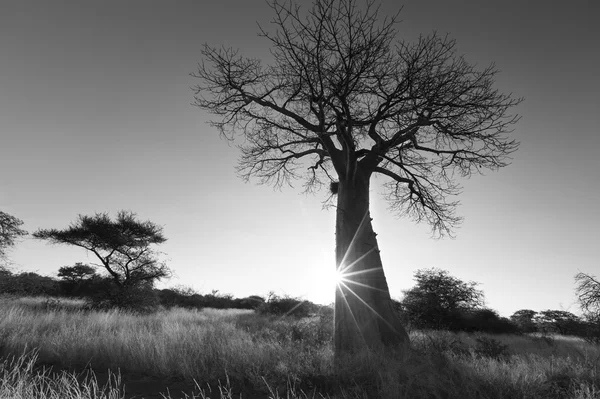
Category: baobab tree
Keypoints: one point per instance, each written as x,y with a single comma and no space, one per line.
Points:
342,101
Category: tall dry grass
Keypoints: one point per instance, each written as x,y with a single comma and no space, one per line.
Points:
237,352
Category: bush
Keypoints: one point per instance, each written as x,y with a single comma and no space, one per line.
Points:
251,302
139,298
29,284
287,306
490,347
484,320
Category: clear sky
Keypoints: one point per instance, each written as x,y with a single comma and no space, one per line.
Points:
95,116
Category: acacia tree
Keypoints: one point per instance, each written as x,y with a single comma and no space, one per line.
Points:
123,246
343,101
10,232
524,319
77,273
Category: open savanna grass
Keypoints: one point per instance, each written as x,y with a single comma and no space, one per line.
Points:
20,378
206,346
267,356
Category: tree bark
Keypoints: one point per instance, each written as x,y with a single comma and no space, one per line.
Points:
364,315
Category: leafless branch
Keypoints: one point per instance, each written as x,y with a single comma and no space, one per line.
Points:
343,96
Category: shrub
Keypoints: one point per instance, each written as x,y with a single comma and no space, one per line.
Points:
29,284
251,302
484,320
287,306
490,347
139,298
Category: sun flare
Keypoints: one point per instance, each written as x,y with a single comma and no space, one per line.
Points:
336,277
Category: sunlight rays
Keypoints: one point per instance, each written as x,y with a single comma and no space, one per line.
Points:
345,279
370,308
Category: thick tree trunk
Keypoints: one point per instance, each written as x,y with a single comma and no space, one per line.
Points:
364,316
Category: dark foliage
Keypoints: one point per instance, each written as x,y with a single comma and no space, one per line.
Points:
490,347
109,295
439,301
77,280
288,306
10,232
591,329
524,319
484,320
559,322
188,298
28,284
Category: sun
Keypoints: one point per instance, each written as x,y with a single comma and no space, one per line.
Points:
335,277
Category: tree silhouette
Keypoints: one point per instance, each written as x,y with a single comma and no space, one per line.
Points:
123,246
439,300
524,319
588,293
560,321
343,101
76,273
588,296
10,231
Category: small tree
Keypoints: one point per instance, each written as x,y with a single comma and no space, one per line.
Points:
558,321
123,246
10,232
439,300
344,101
76,273
588,296
77,279
524,319
588,293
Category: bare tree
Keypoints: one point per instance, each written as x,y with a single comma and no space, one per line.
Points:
123,246
342,101
588,293
10,232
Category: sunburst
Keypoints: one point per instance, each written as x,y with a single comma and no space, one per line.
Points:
345,277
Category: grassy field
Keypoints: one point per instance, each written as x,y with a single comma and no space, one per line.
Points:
60,350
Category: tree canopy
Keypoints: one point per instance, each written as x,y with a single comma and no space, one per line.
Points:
343,94
10,232
76,273
123,246
437,298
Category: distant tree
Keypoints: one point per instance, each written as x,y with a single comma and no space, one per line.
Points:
485,320
345,100
287,306
76,273
77,280
588,292
558,321
438,299
10,232
524,319
123,246
30,284
588,296
253,301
